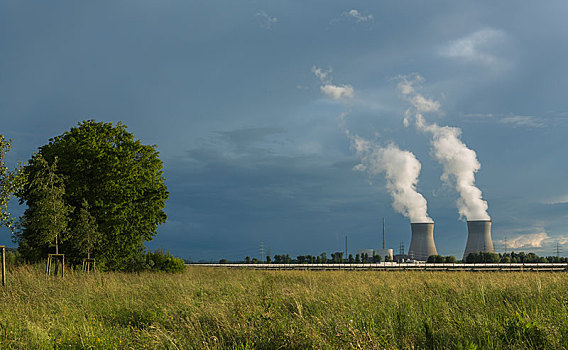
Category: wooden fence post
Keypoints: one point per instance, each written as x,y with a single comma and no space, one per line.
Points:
3,265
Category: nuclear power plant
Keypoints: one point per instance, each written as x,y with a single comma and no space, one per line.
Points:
422,242
478,237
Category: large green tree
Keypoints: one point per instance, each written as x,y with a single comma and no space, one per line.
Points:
120,178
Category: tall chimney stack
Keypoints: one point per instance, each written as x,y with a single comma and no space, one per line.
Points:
478,237
422,242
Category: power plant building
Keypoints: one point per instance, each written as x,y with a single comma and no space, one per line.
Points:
383,253
422,242
478,237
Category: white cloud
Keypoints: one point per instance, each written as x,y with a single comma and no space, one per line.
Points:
563,199
478,47
522,121
338,92
321,74
407,87
535,240
529,240
266,21
513,120
335,92
479,115
357,16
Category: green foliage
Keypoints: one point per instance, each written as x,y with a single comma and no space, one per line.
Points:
13,258
337,257
10,182
118,176
522,257
376,258
466,345
526,333
441,259
85,233
451,259
164,261
45,222
482,257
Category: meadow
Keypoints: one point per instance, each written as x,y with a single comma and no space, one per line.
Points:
218,308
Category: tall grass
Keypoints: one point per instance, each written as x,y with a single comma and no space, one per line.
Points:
208,308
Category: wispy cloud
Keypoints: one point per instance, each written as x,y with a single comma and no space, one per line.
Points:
266,21
357,16
523,121
333,91
478,47
562,199
322,74
526,121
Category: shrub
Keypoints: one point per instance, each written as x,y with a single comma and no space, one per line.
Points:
163,261
451,259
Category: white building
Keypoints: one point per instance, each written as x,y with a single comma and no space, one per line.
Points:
384,252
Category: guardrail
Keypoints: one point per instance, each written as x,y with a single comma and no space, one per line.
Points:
388,266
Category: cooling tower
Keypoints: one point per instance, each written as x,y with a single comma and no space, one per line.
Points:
422,243
478,237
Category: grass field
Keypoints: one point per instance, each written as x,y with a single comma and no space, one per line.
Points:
208,308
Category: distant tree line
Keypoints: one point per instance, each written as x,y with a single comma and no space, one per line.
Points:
441,259
337,258
522,257
334,258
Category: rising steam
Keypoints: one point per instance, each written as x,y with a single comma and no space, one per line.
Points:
401,170
459,162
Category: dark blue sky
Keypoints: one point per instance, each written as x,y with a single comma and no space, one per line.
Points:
252,145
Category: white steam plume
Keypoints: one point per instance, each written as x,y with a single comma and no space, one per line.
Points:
460,163
401,170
